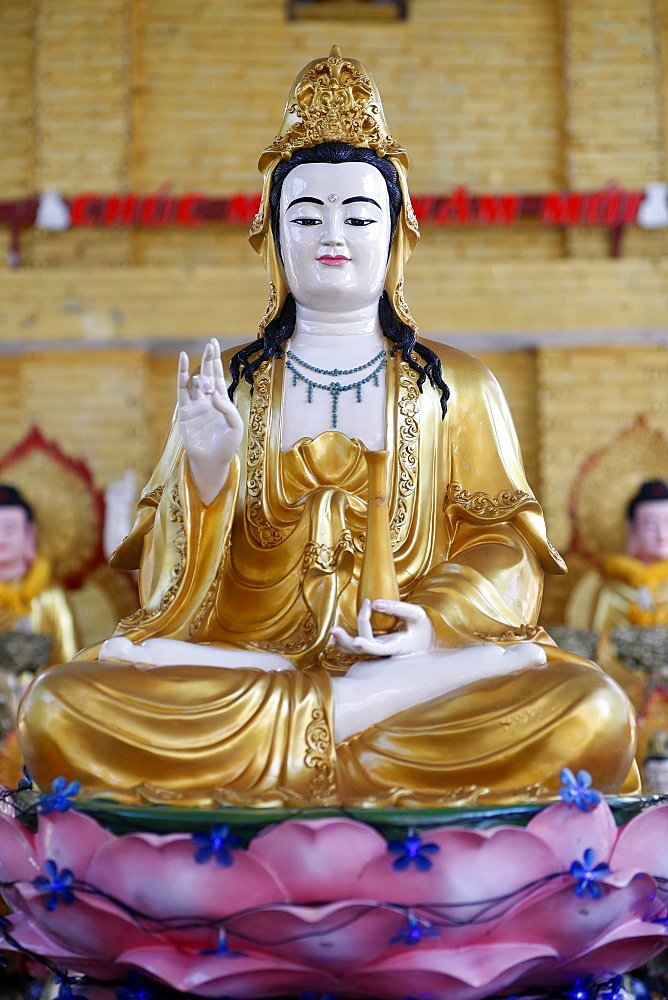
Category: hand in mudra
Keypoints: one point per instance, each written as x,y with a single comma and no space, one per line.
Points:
210,425
417,635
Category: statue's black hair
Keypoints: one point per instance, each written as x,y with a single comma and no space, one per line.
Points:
11,497
653,489
247,361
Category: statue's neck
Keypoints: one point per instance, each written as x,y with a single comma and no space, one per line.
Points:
14,571
358,332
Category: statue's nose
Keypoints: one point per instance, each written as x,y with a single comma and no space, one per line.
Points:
332,232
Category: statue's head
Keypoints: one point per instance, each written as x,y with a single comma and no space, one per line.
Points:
18,534
334,211
334,136
647,522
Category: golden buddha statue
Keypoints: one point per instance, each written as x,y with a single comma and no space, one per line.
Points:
30,601
624,604
252,672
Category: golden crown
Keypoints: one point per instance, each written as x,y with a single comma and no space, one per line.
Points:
333,100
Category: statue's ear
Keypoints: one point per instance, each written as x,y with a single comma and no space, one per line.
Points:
632,542
30,548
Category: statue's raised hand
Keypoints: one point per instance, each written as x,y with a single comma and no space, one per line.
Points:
210,425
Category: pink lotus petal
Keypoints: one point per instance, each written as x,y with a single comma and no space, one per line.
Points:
158,875
332,938
327,853
641,844
462,974
627,949
220,976
470,865
337,934
18,854
570,832
569,922
90,925
70,839
35,939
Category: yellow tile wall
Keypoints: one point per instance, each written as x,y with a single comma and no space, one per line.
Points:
585,398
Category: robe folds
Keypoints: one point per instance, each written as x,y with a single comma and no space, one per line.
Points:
273,563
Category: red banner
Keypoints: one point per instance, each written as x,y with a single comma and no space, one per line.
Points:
610,208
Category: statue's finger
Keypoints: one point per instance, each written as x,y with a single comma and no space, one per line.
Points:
183,378
400,609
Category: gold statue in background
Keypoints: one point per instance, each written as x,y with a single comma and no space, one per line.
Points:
250,674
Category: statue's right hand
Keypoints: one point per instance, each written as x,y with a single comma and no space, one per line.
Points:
209,423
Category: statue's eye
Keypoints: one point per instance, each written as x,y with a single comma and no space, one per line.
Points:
307,222
359,222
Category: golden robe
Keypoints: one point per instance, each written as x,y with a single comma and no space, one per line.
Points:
274,562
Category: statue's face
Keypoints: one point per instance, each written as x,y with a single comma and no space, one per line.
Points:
17,543
335,232
648,532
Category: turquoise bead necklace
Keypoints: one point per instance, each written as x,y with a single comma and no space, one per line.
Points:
335,389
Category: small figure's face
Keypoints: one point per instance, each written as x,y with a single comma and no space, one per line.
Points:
17,543
648,531
335,232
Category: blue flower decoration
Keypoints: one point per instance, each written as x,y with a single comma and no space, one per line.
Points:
218,844
578,790
221,948
614,990
56,885
586,876
414,932
584,989
412,851
137,989
59,799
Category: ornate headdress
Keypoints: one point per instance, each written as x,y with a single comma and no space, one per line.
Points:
334,100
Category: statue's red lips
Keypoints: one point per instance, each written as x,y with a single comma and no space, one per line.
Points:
333,261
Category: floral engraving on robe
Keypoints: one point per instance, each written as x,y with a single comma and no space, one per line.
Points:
523,633
408,429
265,534
484,506
180,546
210,596
317,555
180,541
301,639
318,756
272,304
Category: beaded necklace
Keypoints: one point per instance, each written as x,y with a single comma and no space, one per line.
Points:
335,389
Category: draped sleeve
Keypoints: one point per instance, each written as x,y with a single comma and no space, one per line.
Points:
179,545
488,585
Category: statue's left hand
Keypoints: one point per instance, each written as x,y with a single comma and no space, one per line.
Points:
417,635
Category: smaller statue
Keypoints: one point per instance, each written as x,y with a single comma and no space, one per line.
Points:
36,625
626,606
633,586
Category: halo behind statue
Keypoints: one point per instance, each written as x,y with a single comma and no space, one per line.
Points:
606,482
68,509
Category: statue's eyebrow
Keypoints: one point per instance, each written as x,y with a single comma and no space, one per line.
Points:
361,197
298,201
